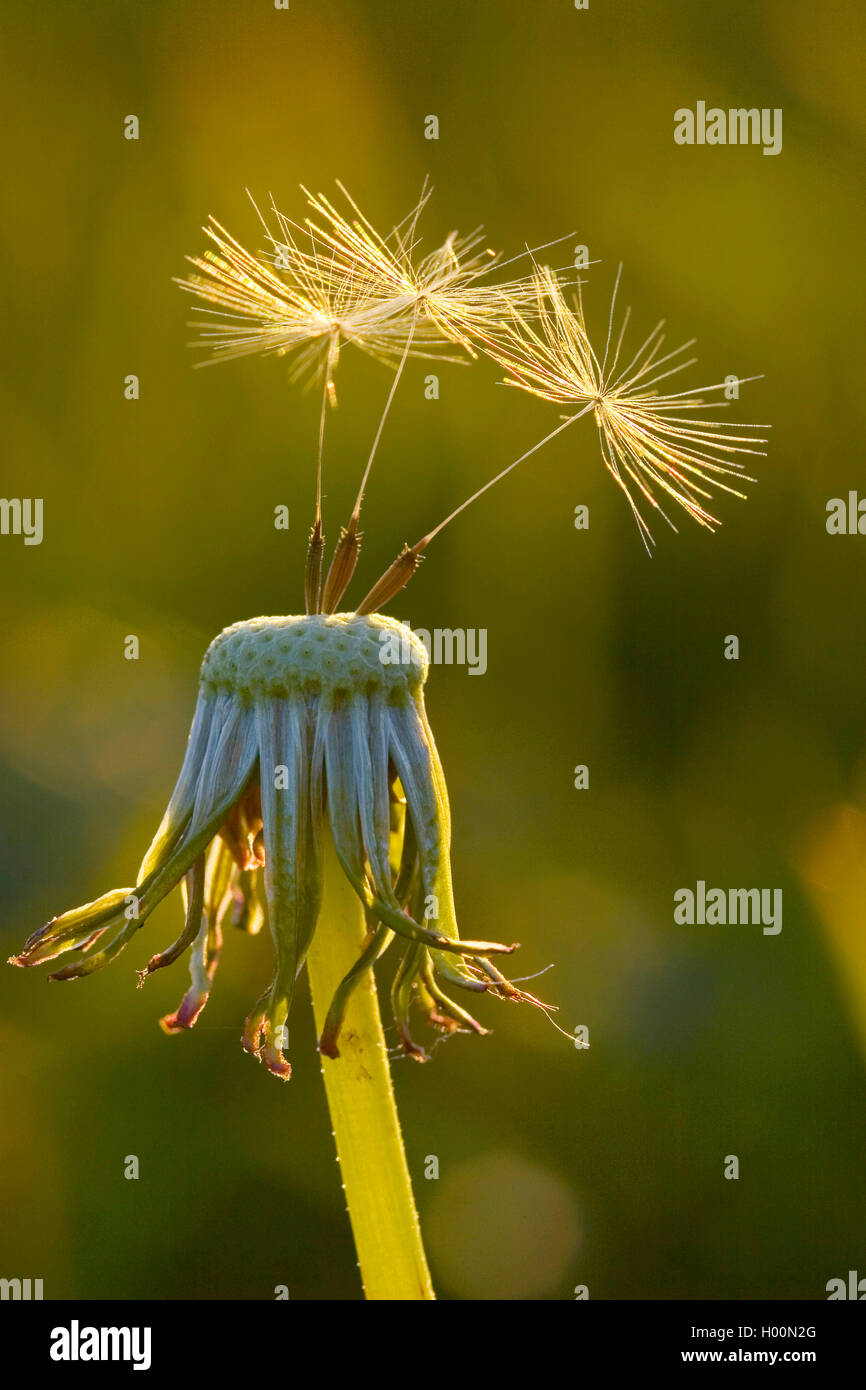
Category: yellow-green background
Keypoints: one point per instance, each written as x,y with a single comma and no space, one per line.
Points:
556,1167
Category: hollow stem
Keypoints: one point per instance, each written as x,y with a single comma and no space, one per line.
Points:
370,1149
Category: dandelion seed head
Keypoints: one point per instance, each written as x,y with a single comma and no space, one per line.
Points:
318,655
301,731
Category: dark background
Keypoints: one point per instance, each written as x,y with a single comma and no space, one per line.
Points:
557,1167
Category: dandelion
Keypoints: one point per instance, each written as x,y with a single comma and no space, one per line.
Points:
311,795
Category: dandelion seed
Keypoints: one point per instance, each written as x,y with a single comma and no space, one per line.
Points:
329,282
445,290
648,442
332,281
644,441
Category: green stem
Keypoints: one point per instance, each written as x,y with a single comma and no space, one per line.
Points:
363,1111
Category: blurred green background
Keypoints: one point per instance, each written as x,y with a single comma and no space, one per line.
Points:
557,1167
